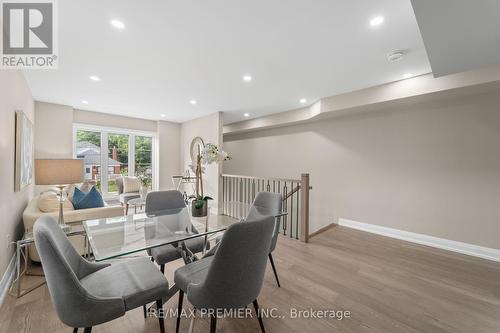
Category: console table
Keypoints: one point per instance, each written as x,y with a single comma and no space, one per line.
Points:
22,247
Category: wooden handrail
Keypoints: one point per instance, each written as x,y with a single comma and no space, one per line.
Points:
298,187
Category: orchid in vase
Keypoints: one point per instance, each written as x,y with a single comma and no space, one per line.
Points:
210,154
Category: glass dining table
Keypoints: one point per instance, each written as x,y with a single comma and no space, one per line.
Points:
119,236
115,237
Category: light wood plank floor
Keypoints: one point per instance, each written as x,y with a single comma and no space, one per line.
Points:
387,285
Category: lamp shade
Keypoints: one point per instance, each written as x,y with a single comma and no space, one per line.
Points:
58,171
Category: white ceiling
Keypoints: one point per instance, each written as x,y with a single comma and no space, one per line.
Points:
173,51
459,34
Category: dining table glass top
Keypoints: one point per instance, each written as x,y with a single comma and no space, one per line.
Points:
122,235
117,236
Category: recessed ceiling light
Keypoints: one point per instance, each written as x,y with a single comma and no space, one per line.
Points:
395,56
407,75
85,102
246,115
193,102
376,21
163,115
247,78
95,78
118,24
303,101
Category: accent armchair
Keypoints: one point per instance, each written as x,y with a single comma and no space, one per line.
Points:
126,197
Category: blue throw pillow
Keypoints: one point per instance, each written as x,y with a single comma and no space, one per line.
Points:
78,195
92,199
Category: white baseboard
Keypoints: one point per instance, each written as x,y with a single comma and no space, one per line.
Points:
7,278
441,243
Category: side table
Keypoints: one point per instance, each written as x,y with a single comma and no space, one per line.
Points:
22,247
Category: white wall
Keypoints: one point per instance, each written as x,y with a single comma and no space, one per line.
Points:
169,150
14,95
209,128
54,130
432,168
111,120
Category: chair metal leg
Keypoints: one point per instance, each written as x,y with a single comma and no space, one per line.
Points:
256,306
179,309
191,322
126,209
87,330
274,269
162,268
213,323
75,330
159,308
145,311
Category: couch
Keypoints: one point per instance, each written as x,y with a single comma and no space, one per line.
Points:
73,217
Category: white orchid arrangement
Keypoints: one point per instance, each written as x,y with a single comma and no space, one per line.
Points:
210,154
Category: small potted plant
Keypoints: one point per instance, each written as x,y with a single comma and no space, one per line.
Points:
209,155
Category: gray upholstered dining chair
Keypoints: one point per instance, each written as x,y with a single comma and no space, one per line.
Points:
86,294
166,200
233,277
270,202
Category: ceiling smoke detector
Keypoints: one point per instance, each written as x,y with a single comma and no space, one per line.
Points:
395,56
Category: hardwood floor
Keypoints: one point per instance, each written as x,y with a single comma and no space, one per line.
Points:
387,285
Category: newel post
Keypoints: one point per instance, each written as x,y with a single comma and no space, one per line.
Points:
304,200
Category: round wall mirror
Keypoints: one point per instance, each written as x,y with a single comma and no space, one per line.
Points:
197,146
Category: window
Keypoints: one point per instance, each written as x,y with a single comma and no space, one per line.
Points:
111,153
144,158
88,148
117,159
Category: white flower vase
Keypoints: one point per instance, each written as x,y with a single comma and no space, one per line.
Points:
143,191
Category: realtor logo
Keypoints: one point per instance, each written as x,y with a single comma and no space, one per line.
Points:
28,34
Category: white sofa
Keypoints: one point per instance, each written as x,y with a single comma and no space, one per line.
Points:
73,217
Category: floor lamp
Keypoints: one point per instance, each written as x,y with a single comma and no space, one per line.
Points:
59,172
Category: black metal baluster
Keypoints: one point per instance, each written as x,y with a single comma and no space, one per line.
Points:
291,207
297,222
285,203
253,190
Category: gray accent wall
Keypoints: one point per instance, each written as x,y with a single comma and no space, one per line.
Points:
14,95
431,167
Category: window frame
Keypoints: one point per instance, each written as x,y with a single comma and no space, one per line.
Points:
132,133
